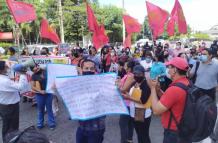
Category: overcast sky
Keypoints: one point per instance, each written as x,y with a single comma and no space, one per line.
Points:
200,14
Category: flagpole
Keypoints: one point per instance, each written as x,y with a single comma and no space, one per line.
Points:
124,32
61,21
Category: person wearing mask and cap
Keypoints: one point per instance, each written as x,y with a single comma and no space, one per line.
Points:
140,110
10,98
172,99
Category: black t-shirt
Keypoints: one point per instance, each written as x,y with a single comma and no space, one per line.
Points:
41,77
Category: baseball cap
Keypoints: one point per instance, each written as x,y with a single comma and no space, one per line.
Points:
138,69
179,63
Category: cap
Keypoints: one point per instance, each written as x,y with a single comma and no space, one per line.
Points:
138,69
2,65
179,63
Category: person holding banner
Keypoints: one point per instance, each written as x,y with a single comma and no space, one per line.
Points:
9,99
90,131
43,99
140,106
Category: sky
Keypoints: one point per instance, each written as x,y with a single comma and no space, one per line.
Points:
201,15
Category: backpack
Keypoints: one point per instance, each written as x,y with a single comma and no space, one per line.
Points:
199,115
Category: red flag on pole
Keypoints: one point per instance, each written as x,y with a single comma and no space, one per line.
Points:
128,42
171,27
21,11
47,32
177,16
99,37
131,24
156,18
92,22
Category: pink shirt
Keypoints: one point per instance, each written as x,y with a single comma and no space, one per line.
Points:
122,82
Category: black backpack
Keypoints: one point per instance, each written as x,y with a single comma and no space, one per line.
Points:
199,115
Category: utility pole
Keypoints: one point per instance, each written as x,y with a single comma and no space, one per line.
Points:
61,21
124,32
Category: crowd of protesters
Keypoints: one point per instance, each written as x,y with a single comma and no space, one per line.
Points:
139,90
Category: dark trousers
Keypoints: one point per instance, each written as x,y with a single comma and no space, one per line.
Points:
10,118
171,136
83,136
126,128
210,92
142,130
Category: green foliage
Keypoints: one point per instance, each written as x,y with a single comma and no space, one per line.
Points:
74,16
201,36
5,45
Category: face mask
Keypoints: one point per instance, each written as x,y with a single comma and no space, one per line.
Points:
88,73
76,55
204,58
138,79
178,47
90,52
167,73
148,60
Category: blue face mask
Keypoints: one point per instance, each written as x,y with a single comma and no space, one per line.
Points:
148,60
204,58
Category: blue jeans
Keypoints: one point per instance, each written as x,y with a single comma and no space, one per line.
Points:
42,102
83,136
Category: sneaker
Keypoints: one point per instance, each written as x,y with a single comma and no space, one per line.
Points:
40,127
52,127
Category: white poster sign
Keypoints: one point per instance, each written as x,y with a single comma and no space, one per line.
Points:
54,70
91,96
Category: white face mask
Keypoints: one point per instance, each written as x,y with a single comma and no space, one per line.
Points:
167,73
178,47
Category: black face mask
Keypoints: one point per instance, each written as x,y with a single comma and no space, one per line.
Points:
88,73
139,79
76,55
90,52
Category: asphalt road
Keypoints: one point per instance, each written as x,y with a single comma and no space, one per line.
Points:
66,129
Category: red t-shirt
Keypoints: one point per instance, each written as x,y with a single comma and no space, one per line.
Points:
174,99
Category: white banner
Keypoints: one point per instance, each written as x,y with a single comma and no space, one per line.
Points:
91,96
43,60
54,70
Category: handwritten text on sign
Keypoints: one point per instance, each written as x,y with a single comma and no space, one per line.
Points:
88,97
43,60
54,70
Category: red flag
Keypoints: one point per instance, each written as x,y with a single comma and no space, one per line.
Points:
92,22
128,42
171,27
177,16
47,32
156,18
21,11
131,24
99,37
